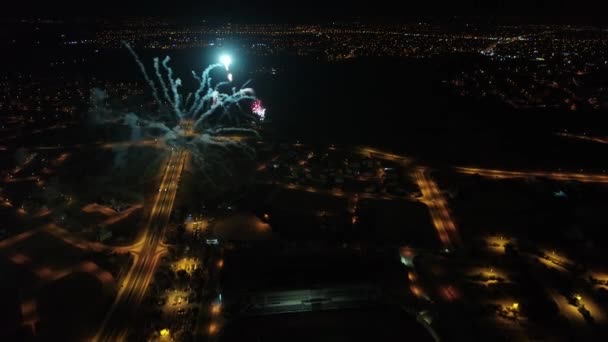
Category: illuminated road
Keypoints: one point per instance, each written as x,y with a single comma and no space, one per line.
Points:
560,176
431,197
147,253
598,140
438,208
375,153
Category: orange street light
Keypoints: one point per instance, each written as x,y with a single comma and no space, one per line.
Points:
215,308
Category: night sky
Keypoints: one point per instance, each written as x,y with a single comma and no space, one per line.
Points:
584,11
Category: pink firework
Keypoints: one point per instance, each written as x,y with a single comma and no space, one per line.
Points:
258,109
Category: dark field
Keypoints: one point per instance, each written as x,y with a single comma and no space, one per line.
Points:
351,325
303,216
69,293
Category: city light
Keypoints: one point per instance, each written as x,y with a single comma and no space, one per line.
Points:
226,60
214,168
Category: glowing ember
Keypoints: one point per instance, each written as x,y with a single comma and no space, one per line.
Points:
258,109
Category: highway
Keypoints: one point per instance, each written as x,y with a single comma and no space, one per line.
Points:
438,208
147,253
560,176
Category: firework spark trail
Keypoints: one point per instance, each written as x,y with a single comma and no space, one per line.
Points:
175,84
221,101
144,72
204,83
224,103
202,120
163,85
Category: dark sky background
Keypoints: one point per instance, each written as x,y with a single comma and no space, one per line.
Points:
581,11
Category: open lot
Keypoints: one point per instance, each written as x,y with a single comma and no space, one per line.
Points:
303,215
539,210
398,222
345,325
51,289
273,266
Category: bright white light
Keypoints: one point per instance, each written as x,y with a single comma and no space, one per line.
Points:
226,60
230,77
